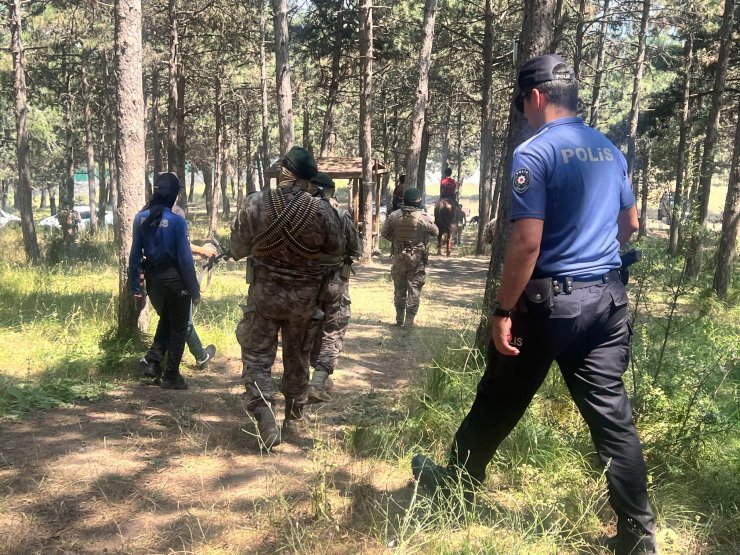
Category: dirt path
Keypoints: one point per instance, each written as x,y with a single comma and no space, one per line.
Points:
152,471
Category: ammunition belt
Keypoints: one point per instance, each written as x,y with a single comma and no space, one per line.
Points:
287,221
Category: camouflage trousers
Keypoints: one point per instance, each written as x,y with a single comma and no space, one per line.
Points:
273,308
337,306
409,275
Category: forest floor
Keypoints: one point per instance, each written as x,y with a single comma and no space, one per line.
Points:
144,470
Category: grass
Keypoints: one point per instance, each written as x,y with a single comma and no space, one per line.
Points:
545,492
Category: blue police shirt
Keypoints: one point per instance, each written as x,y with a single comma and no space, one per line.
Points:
166,244
574,179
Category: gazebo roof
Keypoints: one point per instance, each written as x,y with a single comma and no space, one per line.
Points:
337,168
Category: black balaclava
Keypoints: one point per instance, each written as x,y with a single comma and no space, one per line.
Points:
166,189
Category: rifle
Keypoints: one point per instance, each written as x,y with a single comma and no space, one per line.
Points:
207,268
628,259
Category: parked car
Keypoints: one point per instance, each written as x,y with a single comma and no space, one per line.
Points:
9,220
52,222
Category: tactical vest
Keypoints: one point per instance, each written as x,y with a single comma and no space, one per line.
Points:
405,229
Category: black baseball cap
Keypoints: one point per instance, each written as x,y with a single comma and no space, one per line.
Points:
538,70
166,183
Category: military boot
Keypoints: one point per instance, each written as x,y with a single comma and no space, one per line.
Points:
410,316
400,315
318,388
269,434
296,420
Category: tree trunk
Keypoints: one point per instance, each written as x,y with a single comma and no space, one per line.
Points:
366,110
333,91
109,148
66,199
486,132
131,141
580,32
636,84
682,153
282,76
175,106
213,215
263,89
24,188
102,189
306,119
421,176
52,200
156,140
599,69
385,193
730,221
92,184
191,193
646,169
422,94
239,158
536,36
444,154
558,23
706,173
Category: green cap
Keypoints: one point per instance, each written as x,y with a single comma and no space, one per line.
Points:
411,196
301,162
323,181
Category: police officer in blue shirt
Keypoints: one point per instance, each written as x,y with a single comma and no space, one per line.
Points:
162,238
561,300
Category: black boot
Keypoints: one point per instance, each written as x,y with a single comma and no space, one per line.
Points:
296,420
173,380
150,369
267,429
442,483
630,541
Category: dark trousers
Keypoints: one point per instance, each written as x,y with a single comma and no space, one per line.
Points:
587,333
172,302
192,339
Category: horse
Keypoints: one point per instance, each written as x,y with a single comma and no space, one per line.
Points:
449,218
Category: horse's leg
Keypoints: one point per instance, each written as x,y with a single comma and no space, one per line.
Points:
439,244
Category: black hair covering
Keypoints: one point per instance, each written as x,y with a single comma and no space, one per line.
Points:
166,189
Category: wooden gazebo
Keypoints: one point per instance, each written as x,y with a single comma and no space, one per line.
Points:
344,168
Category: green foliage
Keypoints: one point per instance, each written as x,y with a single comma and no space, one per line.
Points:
545,478
18,397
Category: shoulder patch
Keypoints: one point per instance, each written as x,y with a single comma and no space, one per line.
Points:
520,181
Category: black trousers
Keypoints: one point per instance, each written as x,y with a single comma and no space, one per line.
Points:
173,307
587,333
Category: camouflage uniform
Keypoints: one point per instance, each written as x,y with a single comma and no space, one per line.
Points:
285,287
409,230
335,300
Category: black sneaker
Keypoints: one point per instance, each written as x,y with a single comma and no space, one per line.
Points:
210,352
174,381
149,369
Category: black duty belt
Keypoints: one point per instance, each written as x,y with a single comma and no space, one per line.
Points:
567,284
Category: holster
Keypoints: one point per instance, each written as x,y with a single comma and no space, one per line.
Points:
251,267
538,297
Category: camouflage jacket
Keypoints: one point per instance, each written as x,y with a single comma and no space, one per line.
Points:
298,243
409,229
